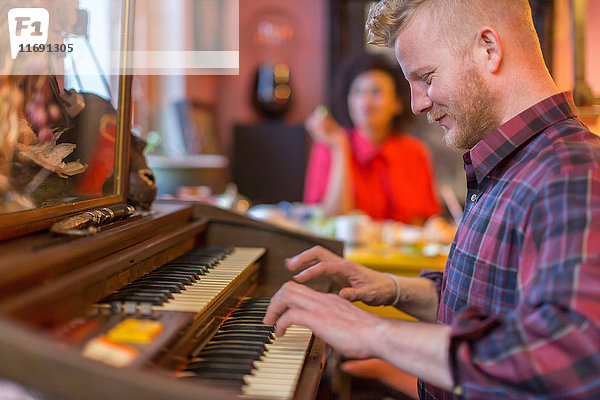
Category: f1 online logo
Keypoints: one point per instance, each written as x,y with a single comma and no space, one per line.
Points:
27,26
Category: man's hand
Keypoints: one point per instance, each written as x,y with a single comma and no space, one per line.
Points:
418,296
419,348
345,327
358,282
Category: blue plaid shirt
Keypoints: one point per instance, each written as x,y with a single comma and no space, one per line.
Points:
521,289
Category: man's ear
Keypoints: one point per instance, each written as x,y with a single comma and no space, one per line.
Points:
488,49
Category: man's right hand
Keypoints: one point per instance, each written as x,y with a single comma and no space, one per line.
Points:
358,282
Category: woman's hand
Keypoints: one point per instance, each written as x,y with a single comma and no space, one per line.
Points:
323,128
358,282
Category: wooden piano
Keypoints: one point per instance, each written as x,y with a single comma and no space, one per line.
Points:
163,304
52,290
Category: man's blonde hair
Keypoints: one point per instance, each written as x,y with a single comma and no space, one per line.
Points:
458,19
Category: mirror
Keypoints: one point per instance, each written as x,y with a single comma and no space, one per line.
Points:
60,89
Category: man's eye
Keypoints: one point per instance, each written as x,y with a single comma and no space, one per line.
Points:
427,78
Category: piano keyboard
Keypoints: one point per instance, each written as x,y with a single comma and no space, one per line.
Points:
245,355
189,283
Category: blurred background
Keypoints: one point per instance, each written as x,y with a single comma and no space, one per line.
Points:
237,138
256,126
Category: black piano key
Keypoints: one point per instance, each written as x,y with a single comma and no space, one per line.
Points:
134,299
232,378
250,327
224,329
183,281
163,271
256,300
240,318
225,358
205,266
191,276
244,367
209,365
256,327
242,336
247,314
178,285
242,321
232,344
235,344
187,264
197,272
154,290
229,353
250,310
223,351
153,286
120,296
241,330
180,268
165,296
251,307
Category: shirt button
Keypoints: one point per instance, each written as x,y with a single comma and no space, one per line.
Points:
473,198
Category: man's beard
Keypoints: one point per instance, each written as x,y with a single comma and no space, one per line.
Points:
474,110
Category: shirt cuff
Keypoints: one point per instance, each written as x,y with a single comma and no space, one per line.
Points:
467,328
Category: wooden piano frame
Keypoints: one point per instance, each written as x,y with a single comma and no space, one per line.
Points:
47,279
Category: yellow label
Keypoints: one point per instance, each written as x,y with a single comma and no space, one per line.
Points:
135,331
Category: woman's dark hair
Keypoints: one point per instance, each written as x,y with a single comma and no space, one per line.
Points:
364,62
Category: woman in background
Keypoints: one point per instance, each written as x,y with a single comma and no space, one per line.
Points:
372,165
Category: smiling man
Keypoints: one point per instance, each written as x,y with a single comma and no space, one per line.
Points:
516,313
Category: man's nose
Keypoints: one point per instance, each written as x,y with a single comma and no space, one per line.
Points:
420,102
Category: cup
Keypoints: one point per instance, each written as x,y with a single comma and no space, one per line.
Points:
352,229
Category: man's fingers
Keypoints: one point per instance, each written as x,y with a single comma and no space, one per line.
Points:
322,268
350,294
289,318
291,295
311,257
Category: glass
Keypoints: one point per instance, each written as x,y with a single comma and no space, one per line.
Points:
60,88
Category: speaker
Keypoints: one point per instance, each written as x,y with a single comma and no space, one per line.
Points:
269,161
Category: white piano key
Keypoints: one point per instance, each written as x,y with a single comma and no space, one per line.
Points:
276,374
201,293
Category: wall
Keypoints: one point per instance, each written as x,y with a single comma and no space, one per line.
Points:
306,56
563,46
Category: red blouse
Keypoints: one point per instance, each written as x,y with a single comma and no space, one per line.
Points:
391,181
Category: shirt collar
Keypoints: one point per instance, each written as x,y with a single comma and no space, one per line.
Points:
363,149
509,136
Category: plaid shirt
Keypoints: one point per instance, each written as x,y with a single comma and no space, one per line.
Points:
521,289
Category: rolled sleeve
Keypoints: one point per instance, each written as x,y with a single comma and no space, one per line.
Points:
436,277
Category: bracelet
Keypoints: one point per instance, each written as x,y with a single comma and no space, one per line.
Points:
395,303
